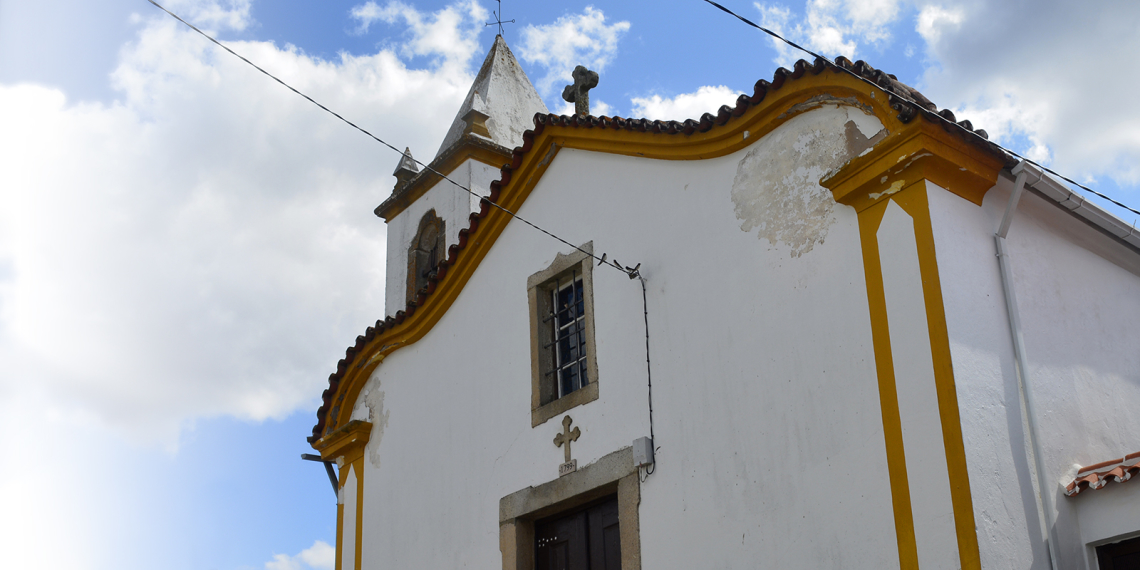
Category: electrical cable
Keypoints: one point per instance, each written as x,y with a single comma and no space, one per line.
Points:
920,107
632,272
649,376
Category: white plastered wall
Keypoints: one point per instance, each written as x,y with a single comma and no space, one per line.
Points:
452,204
766,401
1079,300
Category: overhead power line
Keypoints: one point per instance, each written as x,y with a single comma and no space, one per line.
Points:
632,272
904,96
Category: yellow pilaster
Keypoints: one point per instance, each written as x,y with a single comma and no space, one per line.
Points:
902,169
346,447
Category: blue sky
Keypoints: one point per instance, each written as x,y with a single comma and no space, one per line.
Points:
186,248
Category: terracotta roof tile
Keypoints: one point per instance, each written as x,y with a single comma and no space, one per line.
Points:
1098,475
905,100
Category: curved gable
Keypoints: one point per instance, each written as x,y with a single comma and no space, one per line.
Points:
791,92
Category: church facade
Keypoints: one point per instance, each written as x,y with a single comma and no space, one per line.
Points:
828,327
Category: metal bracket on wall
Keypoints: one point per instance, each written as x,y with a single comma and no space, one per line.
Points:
328,469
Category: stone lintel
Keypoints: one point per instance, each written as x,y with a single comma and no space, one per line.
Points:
591,482
613,474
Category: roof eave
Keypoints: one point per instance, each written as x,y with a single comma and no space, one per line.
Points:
1079,206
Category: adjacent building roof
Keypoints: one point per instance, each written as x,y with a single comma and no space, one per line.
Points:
1100,474
907,101
504,94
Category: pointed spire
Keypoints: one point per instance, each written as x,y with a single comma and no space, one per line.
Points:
503,100
407,168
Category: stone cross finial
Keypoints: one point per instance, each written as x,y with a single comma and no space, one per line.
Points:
579,92
567,436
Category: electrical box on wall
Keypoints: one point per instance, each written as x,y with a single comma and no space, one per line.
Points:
642,451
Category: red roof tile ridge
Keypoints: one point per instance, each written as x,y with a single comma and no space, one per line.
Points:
1098,475
905,100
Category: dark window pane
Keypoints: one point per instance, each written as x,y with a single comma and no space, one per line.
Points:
569,379
568,349
564,350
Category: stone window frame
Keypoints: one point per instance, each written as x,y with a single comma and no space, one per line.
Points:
613,474
539,287
429,220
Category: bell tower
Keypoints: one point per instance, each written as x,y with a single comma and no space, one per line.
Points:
425,212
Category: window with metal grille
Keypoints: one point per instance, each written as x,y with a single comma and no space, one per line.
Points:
563,364
568,331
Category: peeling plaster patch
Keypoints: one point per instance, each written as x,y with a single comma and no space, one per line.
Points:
359,412
826,100
374,400
776,189
868,124
895,187
916,157
549,155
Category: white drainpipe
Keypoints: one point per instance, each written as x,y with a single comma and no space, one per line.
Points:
1044,497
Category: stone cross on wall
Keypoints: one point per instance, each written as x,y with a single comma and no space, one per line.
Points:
579,92
563,439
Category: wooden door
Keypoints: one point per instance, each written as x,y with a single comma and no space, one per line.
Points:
585,539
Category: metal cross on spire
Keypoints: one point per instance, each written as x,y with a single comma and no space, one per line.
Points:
499,21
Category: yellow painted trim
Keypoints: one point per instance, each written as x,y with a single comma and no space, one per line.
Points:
778,107
347,442
915,201
794,98
899,168
424,182
339,529
869,220
920,150
346,446
358,541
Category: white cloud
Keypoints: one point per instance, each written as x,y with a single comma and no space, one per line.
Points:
450,33
213,14
320,556
205,244
829,27
1005,120
932,20
707,99
1062,91
581,39
1031,93
367,14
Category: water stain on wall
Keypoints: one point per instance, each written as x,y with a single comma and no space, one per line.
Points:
776,190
